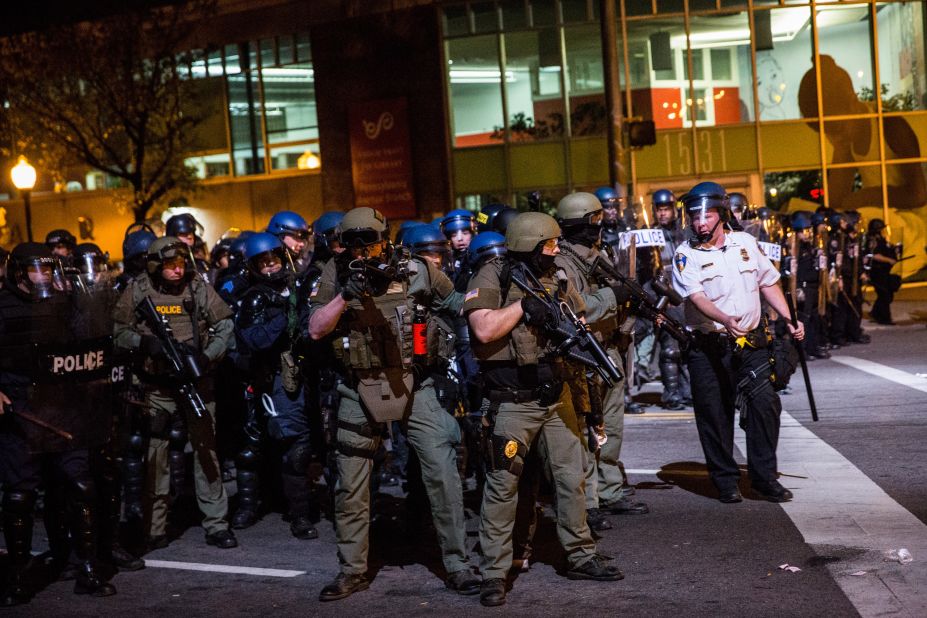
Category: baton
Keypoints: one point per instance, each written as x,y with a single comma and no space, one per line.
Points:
44,425
801,357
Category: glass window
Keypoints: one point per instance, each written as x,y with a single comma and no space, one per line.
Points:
543,13
852,188
268,53
485,17
637,7
905,136
851,140
573,10
214,63
588,115
847,77
800,185
303,48
514,14
698,65
702,5
289,104
721,64
902,59
475,81
907,189
656,51
534,95
670,6
245,120
286,50
456,20
783,60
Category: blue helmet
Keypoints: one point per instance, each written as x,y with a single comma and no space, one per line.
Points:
136,243
663,196
800,220
257,245
707,195
325,227
238,245
404,228
421,238
485,246
184,223
288,222
835,218
818,218
609,196
459,219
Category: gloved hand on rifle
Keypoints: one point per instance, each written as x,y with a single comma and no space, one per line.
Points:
199,357
353,287
150,347
537,312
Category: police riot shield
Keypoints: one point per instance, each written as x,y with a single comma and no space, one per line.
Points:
71,369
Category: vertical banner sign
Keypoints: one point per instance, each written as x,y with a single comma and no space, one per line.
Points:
381,157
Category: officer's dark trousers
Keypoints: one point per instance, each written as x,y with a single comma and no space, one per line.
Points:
716,370
882,307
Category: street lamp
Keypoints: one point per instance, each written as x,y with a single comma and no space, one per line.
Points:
23,176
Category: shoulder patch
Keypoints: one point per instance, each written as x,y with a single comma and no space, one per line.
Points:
474,293
680,261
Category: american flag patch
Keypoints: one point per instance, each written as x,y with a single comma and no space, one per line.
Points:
472,294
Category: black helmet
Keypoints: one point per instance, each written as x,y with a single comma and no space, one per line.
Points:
876,226
662,198
184,223
501,223
60,237
704,196
32,266
485,219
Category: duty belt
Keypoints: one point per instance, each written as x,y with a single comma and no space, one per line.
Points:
545,395
758,338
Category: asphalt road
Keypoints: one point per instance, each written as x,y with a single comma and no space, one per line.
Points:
690,556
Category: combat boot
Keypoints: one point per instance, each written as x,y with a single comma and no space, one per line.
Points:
595,569
302,528
344,586
89,581
492,592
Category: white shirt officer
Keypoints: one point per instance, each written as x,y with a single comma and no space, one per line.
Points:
730,275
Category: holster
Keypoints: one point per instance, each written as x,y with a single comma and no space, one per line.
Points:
507,454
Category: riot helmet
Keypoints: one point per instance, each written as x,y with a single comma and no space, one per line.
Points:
487,216
324,230
853,219
800,220
91,265
267,259
580,217
459,226
503,219
486,245
407,225
183,226
33,271
61,242
836,220
738,203
527,237
363,229
698,201
293,231
818,218
876,226
429,242
219,256
663,199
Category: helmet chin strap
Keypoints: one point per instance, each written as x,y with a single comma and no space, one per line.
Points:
703,238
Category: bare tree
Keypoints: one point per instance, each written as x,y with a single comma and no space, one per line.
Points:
113,94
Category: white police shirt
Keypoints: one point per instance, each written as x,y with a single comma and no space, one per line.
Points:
730,276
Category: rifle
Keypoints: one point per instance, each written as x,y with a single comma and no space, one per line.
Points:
801,357
645,305
576,340
183,365
396,269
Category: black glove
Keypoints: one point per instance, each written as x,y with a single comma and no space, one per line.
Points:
199,357
594,419
537,312
150,347
622,294
354,287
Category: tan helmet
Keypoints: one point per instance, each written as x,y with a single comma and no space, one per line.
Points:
167,247
363,226
528,229
575,207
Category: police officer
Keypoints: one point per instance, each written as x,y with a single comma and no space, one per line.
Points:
495,217
134,256
459,227
525,380
232,281
580,217
723,276
293,231
201,321
809,285
54,390
370,306
325,236
853,280
266,326
884,257
61,243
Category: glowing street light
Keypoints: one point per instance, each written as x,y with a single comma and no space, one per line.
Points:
24,176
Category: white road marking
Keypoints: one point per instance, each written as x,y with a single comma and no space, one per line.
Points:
883,371
221,568
645,472
842,512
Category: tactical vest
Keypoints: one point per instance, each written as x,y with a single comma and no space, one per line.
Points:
178,308
523,345
376,332
604,329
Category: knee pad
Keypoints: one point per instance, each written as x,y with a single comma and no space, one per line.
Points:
136,443
507,454
247,459
670,354
296,459
177,439
19,502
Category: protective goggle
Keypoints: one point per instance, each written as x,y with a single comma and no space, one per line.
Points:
363,237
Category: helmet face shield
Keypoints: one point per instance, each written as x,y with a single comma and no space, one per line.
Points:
39,277
92,268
